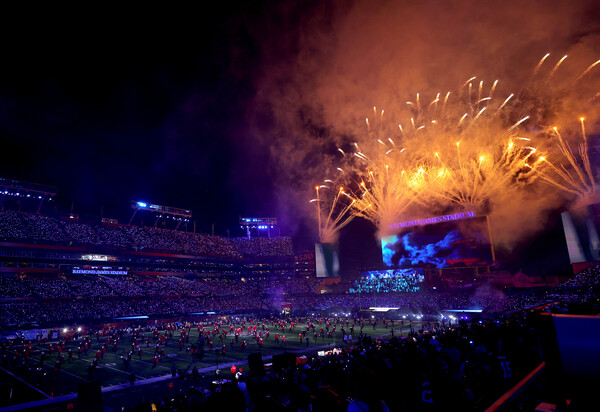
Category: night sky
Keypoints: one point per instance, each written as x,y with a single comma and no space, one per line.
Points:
111,110
228,110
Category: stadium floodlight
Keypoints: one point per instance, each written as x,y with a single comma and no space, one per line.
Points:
161,211
258,224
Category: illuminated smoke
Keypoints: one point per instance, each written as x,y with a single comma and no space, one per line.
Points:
466,152
348,58
418,167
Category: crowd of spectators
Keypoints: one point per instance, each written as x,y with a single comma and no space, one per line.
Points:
44,229
116,236
95,309
587,277
140,286
400,280
12,287
24,287
105,296
93,286
17,226
50,288
27,299
11,226
264,247
82,234
424,302
101,297
291,286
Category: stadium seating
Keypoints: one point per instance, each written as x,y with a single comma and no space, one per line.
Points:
26,227
43,299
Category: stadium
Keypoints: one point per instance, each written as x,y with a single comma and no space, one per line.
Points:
93,310
301,206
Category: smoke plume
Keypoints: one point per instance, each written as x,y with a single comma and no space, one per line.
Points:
327,64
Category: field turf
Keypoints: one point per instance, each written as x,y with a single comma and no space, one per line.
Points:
19,386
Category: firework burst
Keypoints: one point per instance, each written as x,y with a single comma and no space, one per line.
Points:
465,150
380,182
384,194
471,180
462,148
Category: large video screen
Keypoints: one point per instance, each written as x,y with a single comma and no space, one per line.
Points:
581,228
462,242
389,280
327,260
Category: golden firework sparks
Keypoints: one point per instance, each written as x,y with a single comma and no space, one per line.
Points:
576,176
333,210
463,148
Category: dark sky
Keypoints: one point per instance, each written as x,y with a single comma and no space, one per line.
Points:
113,109
227,110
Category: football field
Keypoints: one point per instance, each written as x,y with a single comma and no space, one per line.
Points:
31,382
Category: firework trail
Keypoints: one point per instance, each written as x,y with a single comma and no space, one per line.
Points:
577,177
463,151
566,169
333,211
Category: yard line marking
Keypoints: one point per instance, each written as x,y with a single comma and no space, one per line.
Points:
26,383
115,369
148,363
72,374
33,361
67,372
